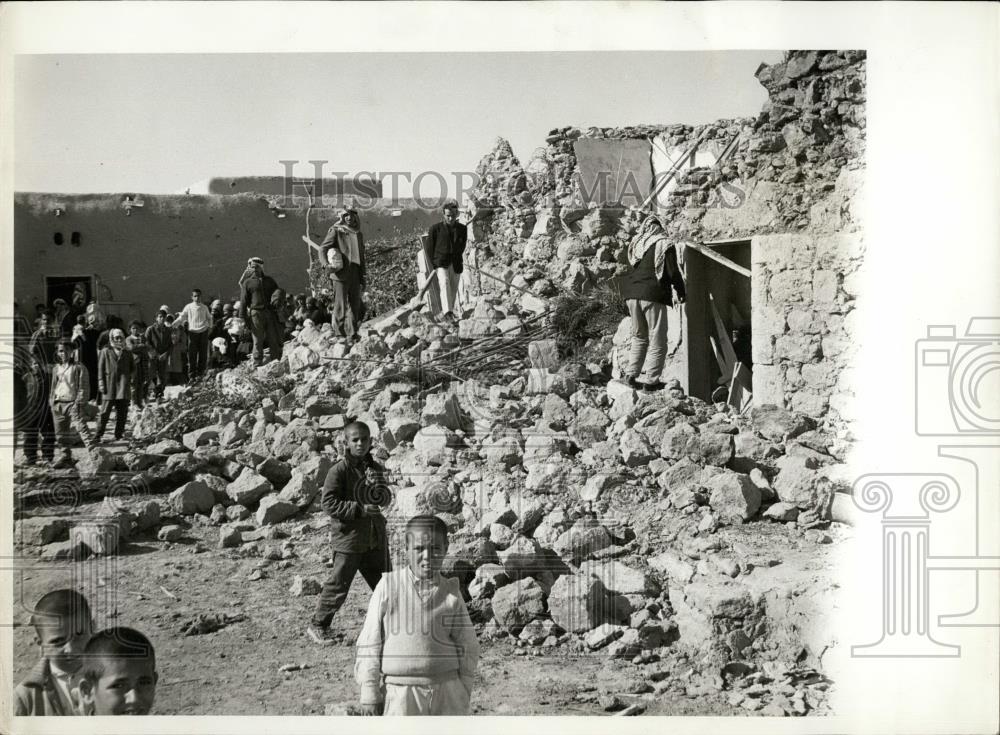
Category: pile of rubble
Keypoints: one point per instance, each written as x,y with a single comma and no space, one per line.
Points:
584,514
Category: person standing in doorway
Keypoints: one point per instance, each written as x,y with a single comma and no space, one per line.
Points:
648,290
343,250
197,318
447,245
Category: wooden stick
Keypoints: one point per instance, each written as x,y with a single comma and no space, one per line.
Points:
722,259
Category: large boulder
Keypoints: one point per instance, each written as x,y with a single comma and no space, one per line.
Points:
97,461
200,437
487,579
101,538
799,483
315,468
504,452
287,439
580,602
248,488
192,497
442,409
517,604
733,497
278,473
273,509
778,424
635,449
300,490
582,540
41,530
523,558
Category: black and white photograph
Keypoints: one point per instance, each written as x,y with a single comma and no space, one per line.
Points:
539,378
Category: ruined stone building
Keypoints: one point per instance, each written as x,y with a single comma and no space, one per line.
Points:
778,194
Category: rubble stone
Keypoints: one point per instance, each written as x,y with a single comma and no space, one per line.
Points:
517,604
274,509
733,497
249,488
300,490
192,497
42,530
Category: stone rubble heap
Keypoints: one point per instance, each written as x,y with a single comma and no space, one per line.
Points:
583,513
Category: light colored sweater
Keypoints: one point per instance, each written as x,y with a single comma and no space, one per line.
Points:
415,633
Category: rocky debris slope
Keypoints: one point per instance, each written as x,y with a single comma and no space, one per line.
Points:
583,513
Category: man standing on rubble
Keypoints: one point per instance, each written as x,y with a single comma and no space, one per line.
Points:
447,240
648,291
343,250
257,309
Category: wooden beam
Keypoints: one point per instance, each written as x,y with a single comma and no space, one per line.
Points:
722,259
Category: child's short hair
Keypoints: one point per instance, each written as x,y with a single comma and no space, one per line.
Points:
115,643
56,606
425,521
358,426
135,323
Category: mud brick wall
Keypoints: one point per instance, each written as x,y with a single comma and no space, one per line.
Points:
176,242
804,291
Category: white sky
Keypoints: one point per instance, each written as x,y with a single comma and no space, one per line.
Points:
160,123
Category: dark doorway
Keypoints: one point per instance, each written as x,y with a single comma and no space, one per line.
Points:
714,288
62,287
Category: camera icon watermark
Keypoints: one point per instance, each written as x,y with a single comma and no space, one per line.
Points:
958,380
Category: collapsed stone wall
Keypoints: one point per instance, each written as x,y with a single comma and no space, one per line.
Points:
796,168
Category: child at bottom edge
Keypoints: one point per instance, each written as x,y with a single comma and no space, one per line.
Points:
417,652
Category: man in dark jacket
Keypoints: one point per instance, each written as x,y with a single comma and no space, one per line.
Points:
648,292
256,290
159,344
354,494
447,241
39,429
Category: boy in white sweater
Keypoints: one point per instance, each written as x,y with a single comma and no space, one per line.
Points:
417,652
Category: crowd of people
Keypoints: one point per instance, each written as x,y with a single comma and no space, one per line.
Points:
78,354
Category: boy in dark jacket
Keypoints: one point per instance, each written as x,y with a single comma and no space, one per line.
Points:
354,494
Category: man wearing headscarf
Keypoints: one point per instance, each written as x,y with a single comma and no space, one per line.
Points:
648,292
256,290
343,250
114,381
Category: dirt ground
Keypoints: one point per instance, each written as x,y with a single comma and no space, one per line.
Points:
156,586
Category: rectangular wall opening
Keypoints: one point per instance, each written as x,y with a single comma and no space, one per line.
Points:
718,318
62,287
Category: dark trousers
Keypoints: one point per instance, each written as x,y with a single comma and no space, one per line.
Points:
197,353
158,373
347,308
346,565
120,405
266,333
39,428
